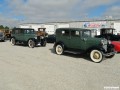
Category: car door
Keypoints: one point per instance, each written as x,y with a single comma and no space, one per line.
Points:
77,42
28,33
89,41
17,34
21,35
65,38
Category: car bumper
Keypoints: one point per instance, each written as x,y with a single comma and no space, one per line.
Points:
39,41
109,54
1,38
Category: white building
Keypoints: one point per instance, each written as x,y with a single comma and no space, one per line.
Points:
50,27
116,25
92,24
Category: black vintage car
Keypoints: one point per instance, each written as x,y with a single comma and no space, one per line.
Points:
108,33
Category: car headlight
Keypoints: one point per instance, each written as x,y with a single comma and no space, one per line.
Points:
35,37
42,37
109,42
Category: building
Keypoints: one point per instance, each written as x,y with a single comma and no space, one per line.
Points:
90,24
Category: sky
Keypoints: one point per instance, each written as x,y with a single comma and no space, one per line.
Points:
15,12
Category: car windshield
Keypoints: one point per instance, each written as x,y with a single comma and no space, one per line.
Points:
93,32
107,31
29,31
86,33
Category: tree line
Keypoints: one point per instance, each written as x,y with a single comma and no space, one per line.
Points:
4,27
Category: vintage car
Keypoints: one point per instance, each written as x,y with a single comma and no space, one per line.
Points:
116,45
28,37
2,36
77,40
108,33
51,38
7,33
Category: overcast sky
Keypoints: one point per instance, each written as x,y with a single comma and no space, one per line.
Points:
14,12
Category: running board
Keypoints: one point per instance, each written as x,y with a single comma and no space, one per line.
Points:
74,52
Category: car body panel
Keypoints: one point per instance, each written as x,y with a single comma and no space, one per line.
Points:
23,35
80,39
116,45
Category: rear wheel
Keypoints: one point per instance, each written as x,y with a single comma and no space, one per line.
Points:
13,42
31,43
59,49
96,56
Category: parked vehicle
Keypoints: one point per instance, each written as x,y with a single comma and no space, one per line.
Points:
108,33
116,45
2,36
77,40
7,33
27,36
51,38
42,36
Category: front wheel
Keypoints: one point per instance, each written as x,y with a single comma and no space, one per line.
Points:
96,56
13,42
59,49
43,43
31,43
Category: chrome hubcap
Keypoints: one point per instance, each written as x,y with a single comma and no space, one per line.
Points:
96,55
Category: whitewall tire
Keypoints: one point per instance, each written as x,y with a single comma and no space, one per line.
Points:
59,49
31,43
13,42
96,56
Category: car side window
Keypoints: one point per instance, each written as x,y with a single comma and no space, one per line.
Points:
21,31
65,32
75,33
27,31
13,31
86,33
32,31
17,31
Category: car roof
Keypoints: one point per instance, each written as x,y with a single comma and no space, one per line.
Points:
107,28
23,28
72,29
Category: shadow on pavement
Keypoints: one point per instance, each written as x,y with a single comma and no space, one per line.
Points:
84,56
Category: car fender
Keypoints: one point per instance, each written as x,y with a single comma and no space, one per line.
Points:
116,45
100,48
11,37
61,43
31,39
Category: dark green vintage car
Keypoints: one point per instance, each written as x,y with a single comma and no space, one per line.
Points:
27,36
80,41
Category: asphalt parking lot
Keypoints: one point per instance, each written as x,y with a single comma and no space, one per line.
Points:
24,68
